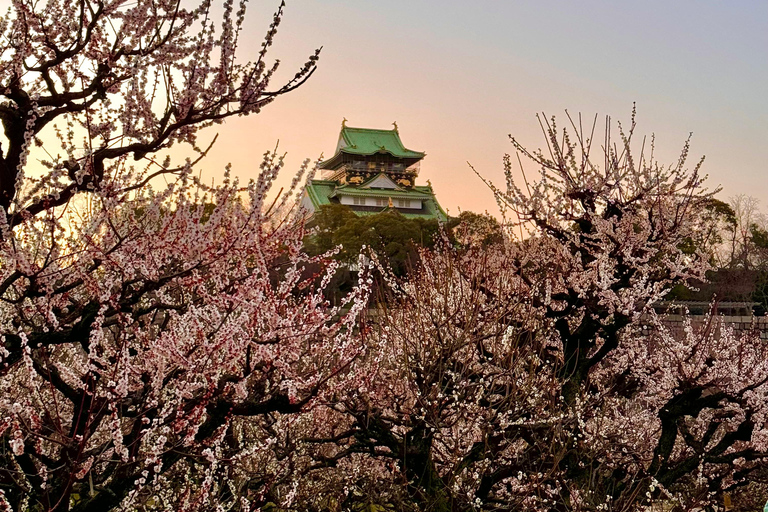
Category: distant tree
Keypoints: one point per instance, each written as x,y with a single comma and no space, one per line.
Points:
709,236
740,249
390,234
735,238
471,229
716,222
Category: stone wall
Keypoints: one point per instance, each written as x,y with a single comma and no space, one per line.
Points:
740,324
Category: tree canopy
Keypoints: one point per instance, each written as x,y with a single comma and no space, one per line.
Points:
390,234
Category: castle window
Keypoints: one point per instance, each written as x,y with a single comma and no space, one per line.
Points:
381,201
358,200
404,203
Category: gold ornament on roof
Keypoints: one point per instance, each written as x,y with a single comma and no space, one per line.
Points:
395,125
344,122
391,204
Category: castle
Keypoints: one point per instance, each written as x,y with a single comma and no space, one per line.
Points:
372,172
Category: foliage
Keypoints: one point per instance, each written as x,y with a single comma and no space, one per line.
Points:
740,250
152,339
463,407
471,229
394,237
390,234
712,226
735,239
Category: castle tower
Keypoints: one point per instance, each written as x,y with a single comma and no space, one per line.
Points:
372,171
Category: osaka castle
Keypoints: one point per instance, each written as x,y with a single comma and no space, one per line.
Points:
372,172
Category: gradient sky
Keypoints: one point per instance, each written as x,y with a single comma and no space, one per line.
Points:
459,76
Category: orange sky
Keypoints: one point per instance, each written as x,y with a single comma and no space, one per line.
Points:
459,76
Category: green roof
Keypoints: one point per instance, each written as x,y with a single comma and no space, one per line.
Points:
367,141
346,190
320,192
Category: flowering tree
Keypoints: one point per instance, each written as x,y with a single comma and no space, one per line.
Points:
524,376
611,238
453,364
151,337
689,409
615,230
130,78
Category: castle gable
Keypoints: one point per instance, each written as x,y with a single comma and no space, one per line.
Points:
381,181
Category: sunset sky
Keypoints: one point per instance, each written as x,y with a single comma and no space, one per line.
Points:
459,76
